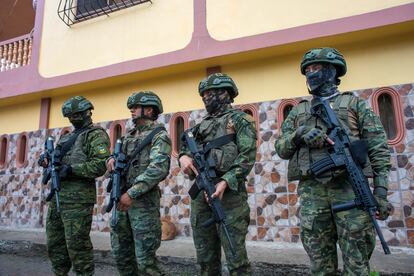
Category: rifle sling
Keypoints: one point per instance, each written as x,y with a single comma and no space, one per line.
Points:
147,140
218,142
69,144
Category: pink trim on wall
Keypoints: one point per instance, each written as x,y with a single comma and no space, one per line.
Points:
173,130
396,105
254,110
44,113
64,131
19,162
281,108
202,46
112,133
4,152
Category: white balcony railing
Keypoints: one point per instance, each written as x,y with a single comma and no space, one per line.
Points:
16,52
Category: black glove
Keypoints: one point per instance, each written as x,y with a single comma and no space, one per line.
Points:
384,207
64,171
312,137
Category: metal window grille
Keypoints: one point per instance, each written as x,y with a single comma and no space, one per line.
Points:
74,11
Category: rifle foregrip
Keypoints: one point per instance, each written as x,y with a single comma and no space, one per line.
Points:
50,196
344,206
109,186
194,191
109,207
208,222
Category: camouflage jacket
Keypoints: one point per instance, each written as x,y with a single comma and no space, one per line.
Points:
87,159
242,161
153,163
359,121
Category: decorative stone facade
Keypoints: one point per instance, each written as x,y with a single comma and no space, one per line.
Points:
272,199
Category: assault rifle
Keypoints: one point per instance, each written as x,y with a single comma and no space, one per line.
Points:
342,155
204,182
114,185
50,173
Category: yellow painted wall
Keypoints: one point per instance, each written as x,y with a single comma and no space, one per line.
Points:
238,18
371,64
20,117
177,92
132,33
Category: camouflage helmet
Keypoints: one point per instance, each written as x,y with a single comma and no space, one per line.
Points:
324,55
75,104
145,98
218,80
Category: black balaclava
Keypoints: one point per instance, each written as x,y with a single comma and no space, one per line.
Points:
84,120
217,101
323,83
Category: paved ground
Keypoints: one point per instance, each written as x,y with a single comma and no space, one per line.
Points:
23,252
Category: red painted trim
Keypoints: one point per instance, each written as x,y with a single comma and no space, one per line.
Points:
112,131
4,153
254,109
281,108
44,113
173,130
65,130
202,46
22,163
396,105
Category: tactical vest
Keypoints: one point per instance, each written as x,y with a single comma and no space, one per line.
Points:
141,162
300,162
78,153
212,128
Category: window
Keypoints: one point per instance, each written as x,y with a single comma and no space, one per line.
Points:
386,104
387,115
283,110
4,141
116,131
178,123
251,109
286,110
65,131
21,153
71,12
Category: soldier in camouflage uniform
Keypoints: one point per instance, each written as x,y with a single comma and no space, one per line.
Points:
234,161
137,235
303,141
87,148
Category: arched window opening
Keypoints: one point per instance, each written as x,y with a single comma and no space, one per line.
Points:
178,123
3,151
386,104
387,115
283,110
116,131
21,156
286,110
179,130
248,111
64,131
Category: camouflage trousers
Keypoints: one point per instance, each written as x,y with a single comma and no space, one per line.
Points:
135,239
68,241
321,229
209,240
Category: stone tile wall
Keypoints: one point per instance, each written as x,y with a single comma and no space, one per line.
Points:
272,199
